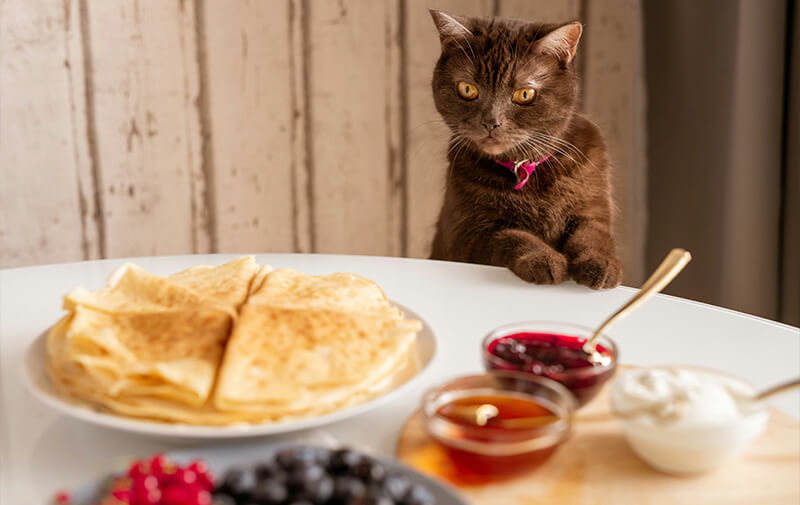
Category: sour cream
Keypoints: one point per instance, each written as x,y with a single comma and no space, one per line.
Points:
685,420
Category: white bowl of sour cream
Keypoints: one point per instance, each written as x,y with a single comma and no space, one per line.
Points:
684,420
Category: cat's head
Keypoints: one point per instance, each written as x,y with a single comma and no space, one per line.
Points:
504,86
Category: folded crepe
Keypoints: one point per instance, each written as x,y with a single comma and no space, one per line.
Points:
169,355
147,337
289,362
290,289
131,289
310,344
229,344
228,284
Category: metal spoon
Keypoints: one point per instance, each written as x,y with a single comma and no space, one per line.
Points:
669,268
776,390
480,415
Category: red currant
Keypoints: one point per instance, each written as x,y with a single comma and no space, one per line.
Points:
123,496
204,476
153,497
62,498
176,495
165,473
141,488
139,468
200,497
185,476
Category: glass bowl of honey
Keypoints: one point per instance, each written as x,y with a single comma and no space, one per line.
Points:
554,350
498,424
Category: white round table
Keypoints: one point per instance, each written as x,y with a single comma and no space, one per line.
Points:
41,451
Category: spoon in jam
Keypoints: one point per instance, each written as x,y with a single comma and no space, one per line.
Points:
669,268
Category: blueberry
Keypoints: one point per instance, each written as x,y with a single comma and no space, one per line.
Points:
322,490
371,471
292,457
270,492
285,458
323,457
223,499
418,495
238,483
267,469
303,477
307,455
344,460
376,496
232,478
396,486
347,488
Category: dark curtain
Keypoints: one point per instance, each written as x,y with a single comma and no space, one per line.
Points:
723,181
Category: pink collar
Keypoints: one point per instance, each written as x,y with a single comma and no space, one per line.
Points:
522,169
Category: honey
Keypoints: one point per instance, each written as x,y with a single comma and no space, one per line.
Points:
498,449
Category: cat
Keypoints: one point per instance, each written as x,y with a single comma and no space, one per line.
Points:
529,181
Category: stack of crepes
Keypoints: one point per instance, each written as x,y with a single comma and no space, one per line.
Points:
236,343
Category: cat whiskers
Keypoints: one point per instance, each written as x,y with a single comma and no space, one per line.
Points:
456,145
566,147
552,146
554,149
540,150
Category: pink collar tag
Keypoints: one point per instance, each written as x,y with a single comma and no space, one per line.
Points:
522,169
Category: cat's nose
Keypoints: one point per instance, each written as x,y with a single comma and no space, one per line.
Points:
490,125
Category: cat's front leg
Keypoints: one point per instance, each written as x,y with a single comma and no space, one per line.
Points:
529,257
592,256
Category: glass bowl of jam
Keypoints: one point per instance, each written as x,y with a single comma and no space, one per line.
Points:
498,424
554,350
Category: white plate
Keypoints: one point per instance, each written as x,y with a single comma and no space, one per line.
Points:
223,458
39,384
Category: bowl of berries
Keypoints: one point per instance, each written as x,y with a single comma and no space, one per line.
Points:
267,474
554,350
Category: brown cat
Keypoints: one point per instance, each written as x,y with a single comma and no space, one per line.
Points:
528,186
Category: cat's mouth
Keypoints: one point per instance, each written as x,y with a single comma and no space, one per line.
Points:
491,145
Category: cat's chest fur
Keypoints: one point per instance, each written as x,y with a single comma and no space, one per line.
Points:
480,199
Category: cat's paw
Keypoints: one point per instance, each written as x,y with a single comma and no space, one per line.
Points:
541,267
596,271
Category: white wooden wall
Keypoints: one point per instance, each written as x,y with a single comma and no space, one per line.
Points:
147,127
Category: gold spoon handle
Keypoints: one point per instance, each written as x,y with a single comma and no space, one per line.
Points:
672,265
775,390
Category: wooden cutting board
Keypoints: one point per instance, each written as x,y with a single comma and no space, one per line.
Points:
596,466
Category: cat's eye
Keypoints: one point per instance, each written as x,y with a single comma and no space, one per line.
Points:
467,91
524,96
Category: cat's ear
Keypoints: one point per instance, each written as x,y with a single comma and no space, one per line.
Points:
562,42
450,27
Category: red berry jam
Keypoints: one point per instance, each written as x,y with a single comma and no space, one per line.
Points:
557,357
